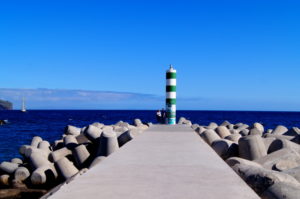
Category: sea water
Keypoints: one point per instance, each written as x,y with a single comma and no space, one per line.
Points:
49,124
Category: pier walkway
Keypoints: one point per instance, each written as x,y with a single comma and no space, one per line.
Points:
165,162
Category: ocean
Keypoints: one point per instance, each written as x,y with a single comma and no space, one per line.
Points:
50,124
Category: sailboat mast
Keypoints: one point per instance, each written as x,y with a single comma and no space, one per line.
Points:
23,105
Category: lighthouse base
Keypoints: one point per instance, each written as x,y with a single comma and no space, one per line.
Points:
171,121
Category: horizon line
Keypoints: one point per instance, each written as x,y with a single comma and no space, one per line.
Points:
154,110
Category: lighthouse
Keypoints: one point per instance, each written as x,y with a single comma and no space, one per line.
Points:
171,96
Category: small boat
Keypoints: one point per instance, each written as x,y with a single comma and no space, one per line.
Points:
23,109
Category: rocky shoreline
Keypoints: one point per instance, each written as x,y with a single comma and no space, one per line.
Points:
5,105
45,167
268,160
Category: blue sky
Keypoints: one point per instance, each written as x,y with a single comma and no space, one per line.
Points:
230,55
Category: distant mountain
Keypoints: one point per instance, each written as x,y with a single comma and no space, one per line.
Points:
5,105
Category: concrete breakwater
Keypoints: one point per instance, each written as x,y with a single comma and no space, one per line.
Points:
45,166
164,162
167,161
268,160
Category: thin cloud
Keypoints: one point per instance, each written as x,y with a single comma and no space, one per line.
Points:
79,99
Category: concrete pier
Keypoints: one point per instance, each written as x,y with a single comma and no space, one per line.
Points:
165,162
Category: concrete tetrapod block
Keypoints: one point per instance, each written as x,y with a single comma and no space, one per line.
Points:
233,131
97,160
195,126
296,139
58,144
252,147
260,178
120,130
279,130
149,124
108,143
37,160
236,160
127,136
294,131
107,128
234,137
255,131
225,148
60,153
230,126
244,132
225,123
72,130
295,172
209,136
123,124
44,145
283,165
269,131
131,127
212,125
92,132
222,131
137,122
181,120
98,125
5,180
23,149
21,174
82,130
70,141
16,161
242,127
278,144
66,168
17,184
285,154
38,177
8,167
268,141
282,190
259,127
119,123
32,150
43,175
81,155
188,122
200,130
35,141
268,135
44,171
82,139
237,125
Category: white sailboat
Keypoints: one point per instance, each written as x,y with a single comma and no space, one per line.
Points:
23,105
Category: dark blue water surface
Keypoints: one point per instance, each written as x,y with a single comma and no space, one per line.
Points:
50,124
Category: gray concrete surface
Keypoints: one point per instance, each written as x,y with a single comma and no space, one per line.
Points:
165,162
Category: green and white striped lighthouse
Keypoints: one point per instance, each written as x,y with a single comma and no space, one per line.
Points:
171,96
